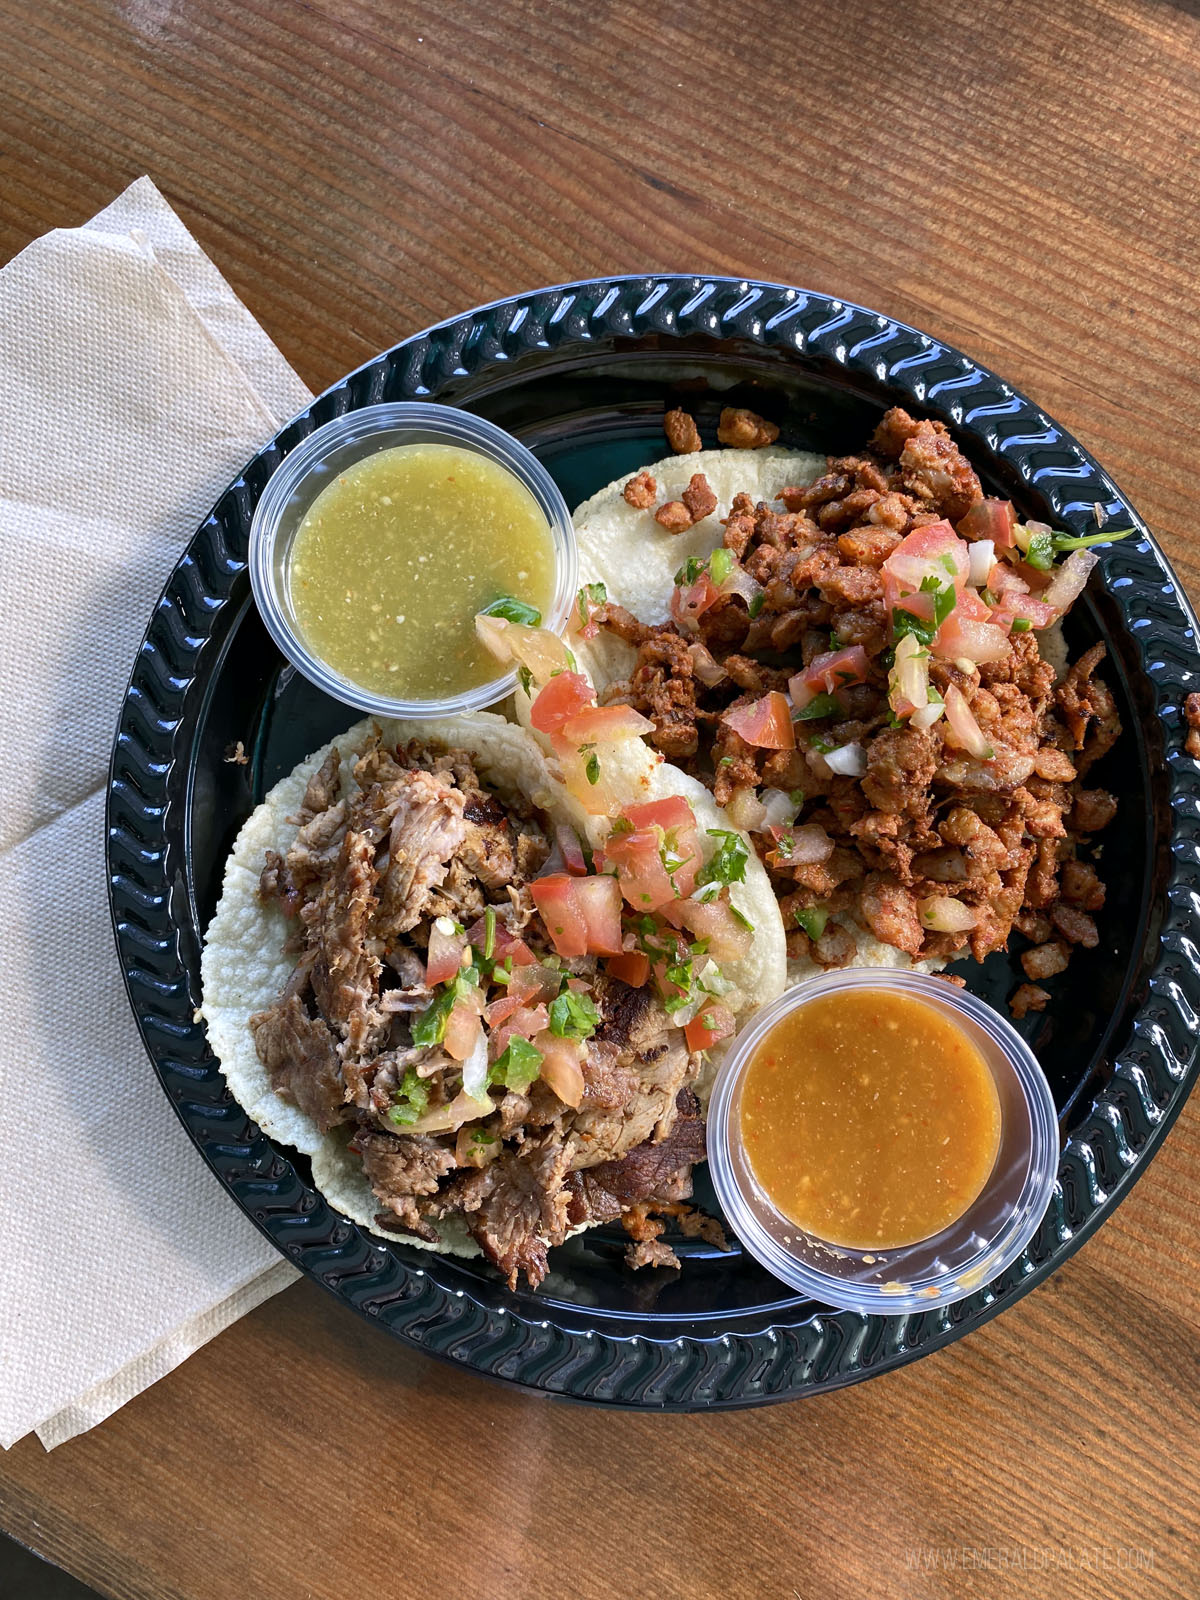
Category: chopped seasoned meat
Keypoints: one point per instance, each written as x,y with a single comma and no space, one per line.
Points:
682,433
1093,809
1081,886
674,516
275,883
662,687
1191,711
935,469
300,1055
1075,694
345,974
640,492
745,430
656,1169
314,851
427,829
901,763
651,1253
1046,960
891,912
401,1168
487,846
1075,925
1028,997
517,1206
698,497
323,787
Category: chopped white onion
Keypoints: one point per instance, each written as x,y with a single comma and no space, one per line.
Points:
1068,582
779,808
746,811
705,666
968,735
740,582
710,979
850,761
941,913
928,715
810,844
982,559
908,681
475,1069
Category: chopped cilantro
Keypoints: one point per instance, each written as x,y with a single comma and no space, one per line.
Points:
1020,625
410,1100
683,975
430,1027
813,921
1065,541
904,622
622,825
593,768
573,1015
591,594
728,864
526,679
739,916
796,796
944,598
821,705
756,604
720,565
821,746
725,761
518,1066
784,846
513,610
834,642
690,571
489,933
1040,554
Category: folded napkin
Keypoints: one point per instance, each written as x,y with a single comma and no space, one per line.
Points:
133,386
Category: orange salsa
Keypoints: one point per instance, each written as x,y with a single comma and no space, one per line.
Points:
870,1119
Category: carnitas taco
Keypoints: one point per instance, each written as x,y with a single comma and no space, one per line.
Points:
474,1005
861,658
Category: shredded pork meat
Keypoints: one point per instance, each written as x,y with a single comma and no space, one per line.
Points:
412,835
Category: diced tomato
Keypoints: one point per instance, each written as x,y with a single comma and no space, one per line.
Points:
631,966
462,1030
934,551
835,670
444,955
643,878
571,849
505,945
582,915
692,602
712,1023
597,723
564,697
561,1067
766,722
962,638
969,607
1036,612
990,519
729,939
556,903
599,902
524,1022
680,836
1004,579
502,1008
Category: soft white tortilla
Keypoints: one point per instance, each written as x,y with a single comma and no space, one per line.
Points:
636,560
243,967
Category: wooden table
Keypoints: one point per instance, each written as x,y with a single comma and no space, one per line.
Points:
1018,178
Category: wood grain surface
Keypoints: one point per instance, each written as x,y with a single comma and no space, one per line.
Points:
1020,179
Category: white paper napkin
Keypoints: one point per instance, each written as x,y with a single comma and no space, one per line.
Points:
133,385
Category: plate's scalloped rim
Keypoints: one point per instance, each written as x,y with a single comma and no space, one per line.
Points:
816,1349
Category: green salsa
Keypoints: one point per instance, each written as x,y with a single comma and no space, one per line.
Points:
398,553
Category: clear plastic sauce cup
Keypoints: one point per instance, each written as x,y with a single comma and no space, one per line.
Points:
936,1271
329,451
